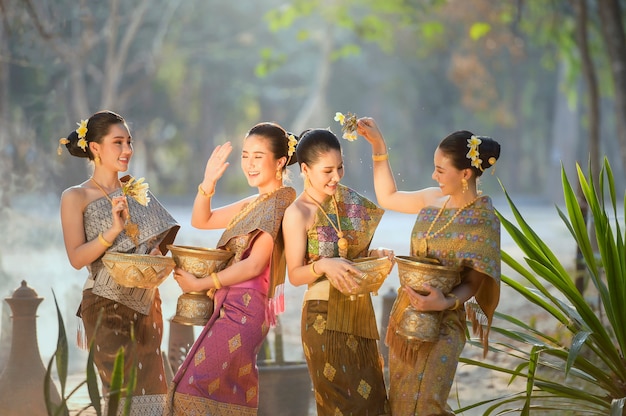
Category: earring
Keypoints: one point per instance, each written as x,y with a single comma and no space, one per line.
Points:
97,160
279,174
307,182
464,185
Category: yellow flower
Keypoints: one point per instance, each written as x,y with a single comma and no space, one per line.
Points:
472,154
340,117
137,189
292,145
348,125
350,136
477,163
82,143
473,141
82,129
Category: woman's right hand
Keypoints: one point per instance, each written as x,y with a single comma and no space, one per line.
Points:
119,211
189,282
216,166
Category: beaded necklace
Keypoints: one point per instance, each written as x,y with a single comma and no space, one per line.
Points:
423,247
252,205
131,229
342,243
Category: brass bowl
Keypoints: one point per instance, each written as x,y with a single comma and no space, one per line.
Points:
200,261
374,271
415,271
138,270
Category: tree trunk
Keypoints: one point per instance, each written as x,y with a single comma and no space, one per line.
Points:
589,73
615,41
565,139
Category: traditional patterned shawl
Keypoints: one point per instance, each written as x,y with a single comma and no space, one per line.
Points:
359,218
156,228
266,216
472,241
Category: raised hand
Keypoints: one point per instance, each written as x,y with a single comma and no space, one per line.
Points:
216,166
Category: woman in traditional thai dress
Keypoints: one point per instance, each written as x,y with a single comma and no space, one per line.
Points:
108,213
327,226
457,226
219,375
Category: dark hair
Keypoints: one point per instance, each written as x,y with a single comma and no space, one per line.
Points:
278,139
98,126
455,147
315,142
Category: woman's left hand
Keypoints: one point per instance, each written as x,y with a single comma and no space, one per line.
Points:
433,300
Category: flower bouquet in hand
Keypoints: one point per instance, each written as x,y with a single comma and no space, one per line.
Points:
348,125
138,190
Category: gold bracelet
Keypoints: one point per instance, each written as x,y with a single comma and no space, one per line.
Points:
216,280
205,194
380,157
313,270
457,302
103,241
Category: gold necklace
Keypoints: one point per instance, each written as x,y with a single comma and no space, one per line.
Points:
131,229
342,242
423,248
252,205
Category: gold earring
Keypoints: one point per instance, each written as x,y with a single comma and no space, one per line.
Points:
97,160
279,174
307,182
464,185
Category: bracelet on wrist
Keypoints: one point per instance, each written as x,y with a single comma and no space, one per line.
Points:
316,275
380,157
457,302
216,280
204,193
104,241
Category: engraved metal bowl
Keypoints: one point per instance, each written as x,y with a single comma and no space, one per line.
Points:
200,261
138,270
374,271
416,271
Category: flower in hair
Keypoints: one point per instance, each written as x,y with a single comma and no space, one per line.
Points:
473,154
292,145
82,132
348,125
62,141
137,189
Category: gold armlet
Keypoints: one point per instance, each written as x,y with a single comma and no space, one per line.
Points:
103,241
457,302
316,275
216,281
204,193
380,157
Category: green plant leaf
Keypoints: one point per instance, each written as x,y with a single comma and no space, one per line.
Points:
117,383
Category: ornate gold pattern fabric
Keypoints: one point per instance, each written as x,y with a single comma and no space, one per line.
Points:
422,373
339,336
225,381
267,216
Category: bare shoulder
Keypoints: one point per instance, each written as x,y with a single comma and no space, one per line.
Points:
297,211
75,193
79,196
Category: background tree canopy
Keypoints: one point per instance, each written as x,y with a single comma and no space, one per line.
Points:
188,75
